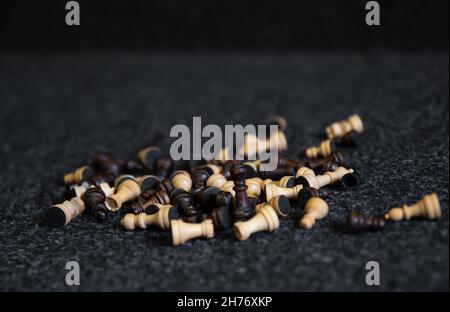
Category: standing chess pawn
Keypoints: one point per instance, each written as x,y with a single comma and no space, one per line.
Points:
81,174
272,191
428,207
181,179
242,209
315,209
127,189
323,150
265,219
341,128
161,219
357,222
280,204
308,192
347,178
183,231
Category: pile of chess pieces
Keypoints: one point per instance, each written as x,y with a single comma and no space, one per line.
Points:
195,199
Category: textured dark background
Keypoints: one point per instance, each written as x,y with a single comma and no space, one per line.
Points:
117,86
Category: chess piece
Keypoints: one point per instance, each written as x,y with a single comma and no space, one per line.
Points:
163,166
330,163
148,156
276,174
161,219
75,190
221,218
284,161
181,179
206,198
182,231
216,180
127,189
428,207
253,145
253,187
200,176
303,171
280,204
341,128
147,203
317,182
308,192
323,150
348,140
272,191
60,215
242,209
315,209
184,203
94,200
148,182
287,181
265,220
252,168
224,199
357,222
81,174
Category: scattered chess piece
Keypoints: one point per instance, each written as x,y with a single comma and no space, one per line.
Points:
216,180
276,174
221,218
163,166
308,192
75,190
253,187
81,174
284,161
224,199
315,209
127,189
94,199
157,197
60,215
148,156
341,128
317,182
280,204
183,231
287,181
200,176
323,150
148,182
357,222
184,203
272,191
330,163
252,168
348,140
265,220
303,171
428,208
161,218
206,198
181,179
242,209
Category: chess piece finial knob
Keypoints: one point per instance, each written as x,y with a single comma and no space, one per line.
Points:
357,222
323,150
127,189
428,207
315,209
81,174
341,128
183,231
161,218
265,219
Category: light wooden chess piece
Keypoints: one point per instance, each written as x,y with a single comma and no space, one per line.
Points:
253,187
253,145
315,209
216,180
323,150
286,181
280,204
78,175
161,219
127,189
266,219
272,191
341,128
60,215
328,178
304,171
428,207
181,179
183,231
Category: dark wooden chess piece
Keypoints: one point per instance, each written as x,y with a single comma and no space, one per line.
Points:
205,198
276,174
330,163
152,197
184,203
94,200
163,166
224,199
357,222
348,140
221,218
242,209
309,192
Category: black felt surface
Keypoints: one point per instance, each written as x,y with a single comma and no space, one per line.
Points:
56,110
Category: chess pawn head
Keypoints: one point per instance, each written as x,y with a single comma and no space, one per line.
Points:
315,209
265,220
127,188
81,174
182,231
280,204
148,156
61,214
308,192
221,218
216,180
273,190
428,207
339,129
181,179
324,149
